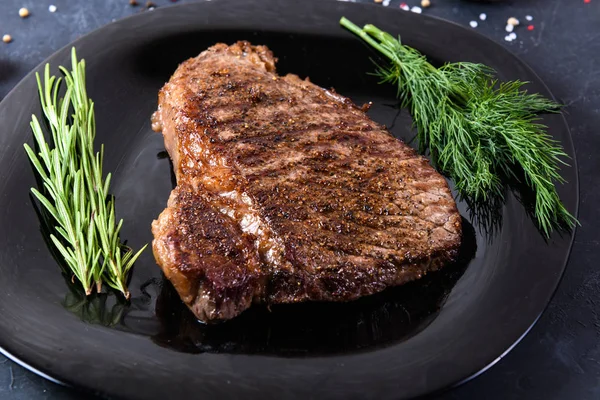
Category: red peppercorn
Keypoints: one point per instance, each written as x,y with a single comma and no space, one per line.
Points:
530,28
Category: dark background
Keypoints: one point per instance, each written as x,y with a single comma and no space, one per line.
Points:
560,357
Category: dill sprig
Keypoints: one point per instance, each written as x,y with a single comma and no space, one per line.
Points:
478,130
73,191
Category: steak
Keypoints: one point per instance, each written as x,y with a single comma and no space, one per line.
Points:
288,192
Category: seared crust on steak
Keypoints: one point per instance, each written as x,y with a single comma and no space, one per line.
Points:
288,192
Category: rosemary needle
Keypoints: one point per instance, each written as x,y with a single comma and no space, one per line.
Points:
74,192
478,131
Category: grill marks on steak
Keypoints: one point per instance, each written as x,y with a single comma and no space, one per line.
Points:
288,192
214,266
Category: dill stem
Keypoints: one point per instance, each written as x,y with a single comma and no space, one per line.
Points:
346,23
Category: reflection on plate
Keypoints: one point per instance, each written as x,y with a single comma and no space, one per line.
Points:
289,330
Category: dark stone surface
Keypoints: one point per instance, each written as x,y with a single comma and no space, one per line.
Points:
560,357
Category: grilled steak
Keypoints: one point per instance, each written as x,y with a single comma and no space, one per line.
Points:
288,192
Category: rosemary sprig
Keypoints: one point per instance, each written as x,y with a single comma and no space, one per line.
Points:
74,192
477,130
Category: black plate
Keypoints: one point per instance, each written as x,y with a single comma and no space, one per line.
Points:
404,342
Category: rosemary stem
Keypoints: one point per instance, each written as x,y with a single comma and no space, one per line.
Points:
74,194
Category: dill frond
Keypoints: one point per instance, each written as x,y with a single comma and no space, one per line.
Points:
478,131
